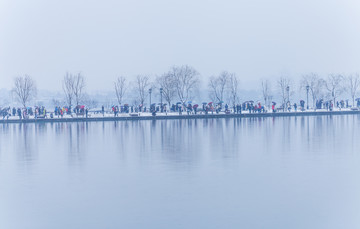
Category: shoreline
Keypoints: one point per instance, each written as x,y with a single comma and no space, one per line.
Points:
184,116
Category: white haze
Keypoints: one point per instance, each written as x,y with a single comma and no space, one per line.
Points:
104,39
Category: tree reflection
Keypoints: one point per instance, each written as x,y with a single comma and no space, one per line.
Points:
77,142
25,143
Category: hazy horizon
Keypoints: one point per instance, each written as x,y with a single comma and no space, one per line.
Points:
255,39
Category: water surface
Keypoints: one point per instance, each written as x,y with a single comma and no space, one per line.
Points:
290,172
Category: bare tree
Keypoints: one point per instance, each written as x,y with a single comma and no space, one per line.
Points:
315,84
78,87
73,86
120,88
68,89
142,84
186,81
266,91
353,82
333,85
24,89
213,88
167,83
217,86
233,87
284,87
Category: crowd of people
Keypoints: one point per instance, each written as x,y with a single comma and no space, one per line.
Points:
41,112
190,109
24,113
79,110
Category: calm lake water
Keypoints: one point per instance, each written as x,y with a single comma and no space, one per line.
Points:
291,172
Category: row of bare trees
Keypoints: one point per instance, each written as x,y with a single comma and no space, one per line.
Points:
182,83
179,82
25,89
329,88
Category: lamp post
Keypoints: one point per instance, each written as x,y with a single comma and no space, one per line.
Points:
288,97
288,93
150,90
307,97
161,93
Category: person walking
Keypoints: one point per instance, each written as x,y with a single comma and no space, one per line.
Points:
19,112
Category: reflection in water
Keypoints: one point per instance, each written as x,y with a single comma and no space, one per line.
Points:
4,130
204,173
77,142
26,144
176,143
182,141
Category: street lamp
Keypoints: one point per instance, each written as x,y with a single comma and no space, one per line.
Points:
150,90
307,97
288,92
161,93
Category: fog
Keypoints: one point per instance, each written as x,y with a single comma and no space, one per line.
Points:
104,39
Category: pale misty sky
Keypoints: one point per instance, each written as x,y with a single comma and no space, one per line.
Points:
104,39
